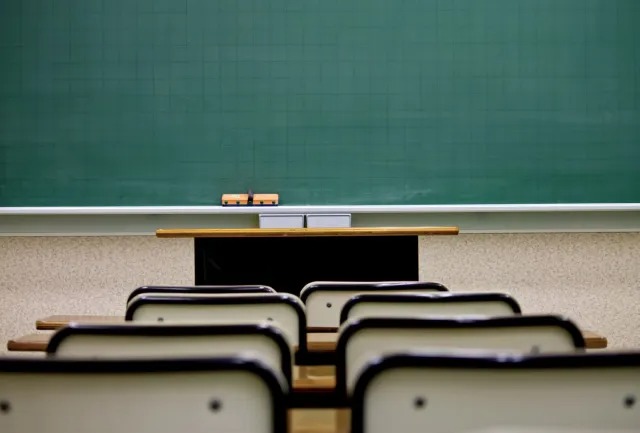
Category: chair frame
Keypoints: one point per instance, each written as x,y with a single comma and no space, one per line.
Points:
371,287
177,330
381,286
484,362
276,298
224,289
444,298
357,325
274,382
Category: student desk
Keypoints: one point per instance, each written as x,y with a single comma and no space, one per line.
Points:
51,323
38,342
303,383
316,342
319,421
313,386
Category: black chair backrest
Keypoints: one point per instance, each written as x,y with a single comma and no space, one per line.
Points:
269,299
534,334
146,396
382,286
108,340
200,289
471,391
429,298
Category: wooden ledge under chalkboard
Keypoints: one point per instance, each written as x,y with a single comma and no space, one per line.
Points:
305,232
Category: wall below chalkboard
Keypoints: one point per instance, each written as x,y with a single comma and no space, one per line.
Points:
135,220
592,278
175,102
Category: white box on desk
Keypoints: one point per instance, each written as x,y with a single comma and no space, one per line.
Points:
329,220
281,221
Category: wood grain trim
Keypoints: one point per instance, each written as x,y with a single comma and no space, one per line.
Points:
29,343
316,384
322,329
51,323
305,232
38,343
594,341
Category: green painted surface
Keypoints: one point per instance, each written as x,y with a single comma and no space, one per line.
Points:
174,102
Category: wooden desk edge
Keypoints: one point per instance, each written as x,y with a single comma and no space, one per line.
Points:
57,321
52,323
325,384
594,341
29,343
45,325
37,343
322,329
306,232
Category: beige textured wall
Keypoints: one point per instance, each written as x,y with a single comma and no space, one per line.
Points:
592,278
40,276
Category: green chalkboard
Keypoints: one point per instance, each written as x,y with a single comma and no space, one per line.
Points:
174,102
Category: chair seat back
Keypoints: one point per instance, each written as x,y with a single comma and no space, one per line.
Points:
361,340
437,304
192,290
459,393
282,308
133,340
237,395
324,300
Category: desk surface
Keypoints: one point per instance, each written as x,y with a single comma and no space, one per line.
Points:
51,323
305,232
39,342
319,420
320,342
29,343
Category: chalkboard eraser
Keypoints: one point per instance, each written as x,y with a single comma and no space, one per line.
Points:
235,199
244,200
266,199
